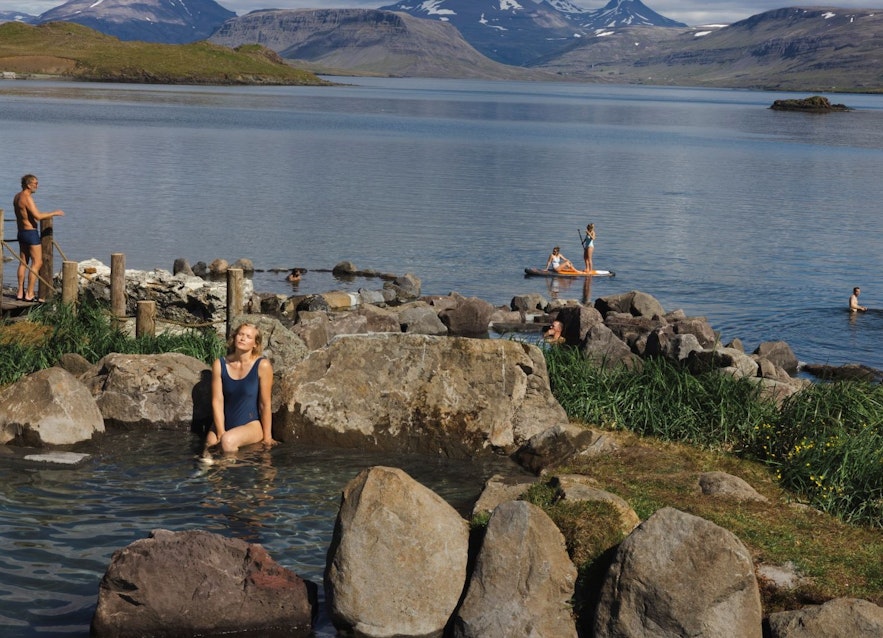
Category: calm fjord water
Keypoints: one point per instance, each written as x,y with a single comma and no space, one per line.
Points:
761,221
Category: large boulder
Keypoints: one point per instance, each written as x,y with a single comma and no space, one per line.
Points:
636,303
49,407
449,395
679,575
195,583
838,618
397,561
167,391
421,318
605,349
523,579
467,317
780,353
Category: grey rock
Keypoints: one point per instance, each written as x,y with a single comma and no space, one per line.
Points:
679,575
523,579
165,391
838,618
722,484
449,395
49,407
397,560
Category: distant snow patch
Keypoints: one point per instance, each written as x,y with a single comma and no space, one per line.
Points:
699,34
828,15
95,4
509,4
432,8
601,34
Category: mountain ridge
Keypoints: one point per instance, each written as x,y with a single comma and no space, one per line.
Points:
516,34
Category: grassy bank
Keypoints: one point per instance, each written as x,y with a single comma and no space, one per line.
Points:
825,443
53,329
74,51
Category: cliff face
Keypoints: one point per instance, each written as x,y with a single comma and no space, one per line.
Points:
366,41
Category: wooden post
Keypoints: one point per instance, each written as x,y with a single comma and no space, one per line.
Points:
118,285
44,290
145,319
69,283
234,297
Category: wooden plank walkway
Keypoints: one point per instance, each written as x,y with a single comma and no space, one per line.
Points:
12,306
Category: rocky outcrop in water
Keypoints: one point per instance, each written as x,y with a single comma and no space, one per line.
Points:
195,583
442,395
814,104
49,407
166,391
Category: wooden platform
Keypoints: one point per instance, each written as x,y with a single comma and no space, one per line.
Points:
12,306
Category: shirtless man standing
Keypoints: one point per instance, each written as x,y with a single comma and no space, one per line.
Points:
853,301
28,218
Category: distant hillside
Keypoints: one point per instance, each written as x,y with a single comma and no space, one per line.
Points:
367,41
166,21
75,51
796,49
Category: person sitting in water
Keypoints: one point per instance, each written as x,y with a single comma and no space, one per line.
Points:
559,262
853,301
295,275
554,333
242,383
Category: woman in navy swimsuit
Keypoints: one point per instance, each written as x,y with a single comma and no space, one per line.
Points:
242,383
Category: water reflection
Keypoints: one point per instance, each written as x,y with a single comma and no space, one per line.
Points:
240,493
556,286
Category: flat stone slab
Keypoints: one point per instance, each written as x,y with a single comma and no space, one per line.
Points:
57,458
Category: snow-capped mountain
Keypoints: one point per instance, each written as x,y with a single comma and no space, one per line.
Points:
16,16
518,32
623,13
169,21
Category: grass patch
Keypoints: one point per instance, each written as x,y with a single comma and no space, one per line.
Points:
72,50
53,329
825,442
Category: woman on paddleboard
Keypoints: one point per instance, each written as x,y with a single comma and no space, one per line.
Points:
559,262
589,246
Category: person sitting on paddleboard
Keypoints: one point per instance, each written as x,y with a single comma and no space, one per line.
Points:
559,262
588,242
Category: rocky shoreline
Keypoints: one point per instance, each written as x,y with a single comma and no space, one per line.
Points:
394,370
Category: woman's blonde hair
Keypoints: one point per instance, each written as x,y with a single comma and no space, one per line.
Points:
258,349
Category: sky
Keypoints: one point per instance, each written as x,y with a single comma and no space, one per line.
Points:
691,12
